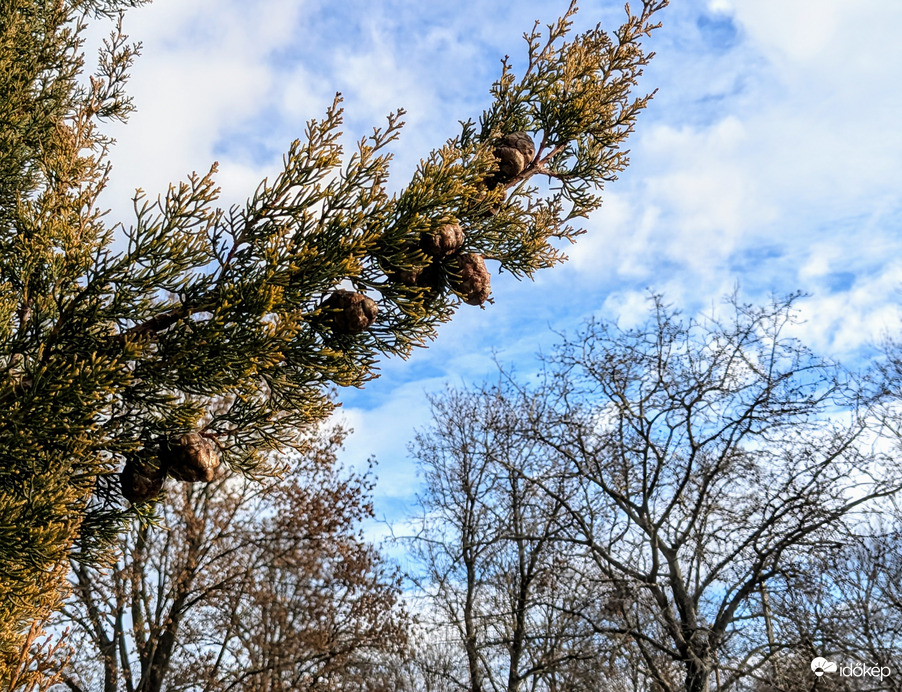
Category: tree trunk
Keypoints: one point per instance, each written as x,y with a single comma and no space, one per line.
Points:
110,666
520,609
470,642
697,675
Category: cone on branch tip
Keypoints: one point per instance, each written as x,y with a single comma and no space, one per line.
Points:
522,142
191,458
442,241
514,153
469,277
349,312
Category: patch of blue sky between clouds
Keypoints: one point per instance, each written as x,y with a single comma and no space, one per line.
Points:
718,30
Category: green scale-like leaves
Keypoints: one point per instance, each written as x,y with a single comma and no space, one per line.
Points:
217,321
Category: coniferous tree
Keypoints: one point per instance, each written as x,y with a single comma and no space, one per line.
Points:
116,362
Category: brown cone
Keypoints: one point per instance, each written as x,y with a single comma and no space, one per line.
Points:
408,277
511,163
140,482
514,153
522,142
442,241
350,312
469,277
191,458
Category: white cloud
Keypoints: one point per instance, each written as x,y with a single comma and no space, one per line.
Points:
710,200
205,69
798,31
618,233
381,81
843,34
843,323
782,146
383,431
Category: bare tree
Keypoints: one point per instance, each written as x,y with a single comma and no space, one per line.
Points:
714,456
503,591
847,609
693,471
244,586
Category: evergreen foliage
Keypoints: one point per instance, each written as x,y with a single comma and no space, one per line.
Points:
217,321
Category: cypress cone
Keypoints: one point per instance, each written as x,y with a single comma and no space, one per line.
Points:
510,163
349,312
191,458
522,142
514,153
443,241
141,481
469,277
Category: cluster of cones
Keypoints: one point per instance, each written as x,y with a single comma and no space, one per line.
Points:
349,312
465,272
191,458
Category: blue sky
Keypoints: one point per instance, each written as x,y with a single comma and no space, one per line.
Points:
771,159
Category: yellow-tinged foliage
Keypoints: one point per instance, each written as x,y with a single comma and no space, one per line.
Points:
213,319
